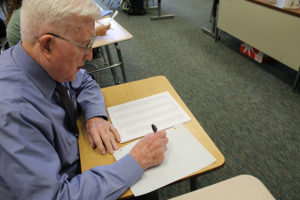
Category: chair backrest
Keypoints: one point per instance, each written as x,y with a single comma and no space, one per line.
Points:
4,46
111,4
244,187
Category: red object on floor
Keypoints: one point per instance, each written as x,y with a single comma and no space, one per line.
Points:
252,52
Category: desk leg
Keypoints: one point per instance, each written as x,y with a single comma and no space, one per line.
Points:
159,16
214,32
113,70
121,61
296,81
104,59
152,7
217,35
211,32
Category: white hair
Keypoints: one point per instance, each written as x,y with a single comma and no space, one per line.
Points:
42,16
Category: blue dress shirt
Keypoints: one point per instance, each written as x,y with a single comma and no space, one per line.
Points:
39,157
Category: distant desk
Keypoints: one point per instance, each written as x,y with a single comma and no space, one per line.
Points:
118,94
266,26
278,5
115,35
242,187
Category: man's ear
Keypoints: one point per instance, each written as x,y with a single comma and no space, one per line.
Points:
46,45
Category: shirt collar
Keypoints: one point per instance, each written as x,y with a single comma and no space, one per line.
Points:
33,70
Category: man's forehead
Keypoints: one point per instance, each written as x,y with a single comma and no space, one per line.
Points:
82,24
83,28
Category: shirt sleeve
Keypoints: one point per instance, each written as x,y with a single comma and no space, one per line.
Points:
31,168
105,182
88,95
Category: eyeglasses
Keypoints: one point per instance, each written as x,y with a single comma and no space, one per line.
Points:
87,48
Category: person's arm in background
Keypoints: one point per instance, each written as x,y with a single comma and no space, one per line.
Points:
101,30
13,34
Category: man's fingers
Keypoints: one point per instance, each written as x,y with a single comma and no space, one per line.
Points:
164,147
106,139
114,144
98,143
165,140
150,150
102,134
115,133
162,133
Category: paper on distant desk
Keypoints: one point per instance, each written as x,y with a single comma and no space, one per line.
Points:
184,156
134,119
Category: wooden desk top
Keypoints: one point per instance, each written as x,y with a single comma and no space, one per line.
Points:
115,34
119,94
278,5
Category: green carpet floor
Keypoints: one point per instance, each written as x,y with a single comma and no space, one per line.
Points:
248,109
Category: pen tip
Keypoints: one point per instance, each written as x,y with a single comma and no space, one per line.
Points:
154,128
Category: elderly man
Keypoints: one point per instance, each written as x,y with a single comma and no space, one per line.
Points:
38,138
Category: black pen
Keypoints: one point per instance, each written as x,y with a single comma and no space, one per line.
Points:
154,128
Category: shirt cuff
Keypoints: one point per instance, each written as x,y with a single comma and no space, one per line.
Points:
103,117
129,168
94,112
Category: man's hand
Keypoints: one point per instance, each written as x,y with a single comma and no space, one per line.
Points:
102,134
150,150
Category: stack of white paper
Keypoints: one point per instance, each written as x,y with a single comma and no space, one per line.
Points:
134,119
185,155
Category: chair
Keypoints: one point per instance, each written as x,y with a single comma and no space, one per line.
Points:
111,4
4,46
244,187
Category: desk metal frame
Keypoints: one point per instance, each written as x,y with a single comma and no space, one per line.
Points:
113,65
